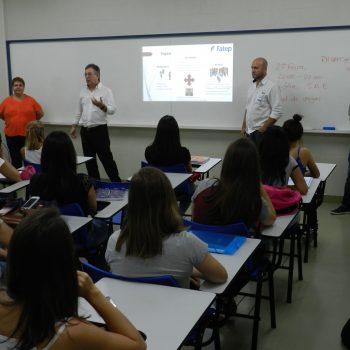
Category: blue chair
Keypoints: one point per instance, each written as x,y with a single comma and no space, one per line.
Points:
256,272
195,338
82,243
184,191
37,167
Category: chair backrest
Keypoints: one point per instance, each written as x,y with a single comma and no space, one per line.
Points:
176,168
37,167
96,274
73,209
239,228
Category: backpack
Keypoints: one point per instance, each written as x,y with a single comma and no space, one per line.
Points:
285,200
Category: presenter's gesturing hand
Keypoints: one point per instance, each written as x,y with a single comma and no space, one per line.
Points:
99,104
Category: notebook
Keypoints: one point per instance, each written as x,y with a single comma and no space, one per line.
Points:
220,243
199,160
112,194
307,179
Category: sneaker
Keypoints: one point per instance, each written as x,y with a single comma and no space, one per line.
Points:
341,210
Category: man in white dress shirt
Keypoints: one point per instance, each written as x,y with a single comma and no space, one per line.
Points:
95,103
264,104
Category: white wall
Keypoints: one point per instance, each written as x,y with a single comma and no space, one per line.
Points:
30,19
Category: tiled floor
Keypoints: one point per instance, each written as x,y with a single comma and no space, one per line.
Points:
321,302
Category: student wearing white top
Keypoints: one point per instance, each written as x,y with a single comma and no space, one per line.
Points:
264,105
39,307
95,103
34,142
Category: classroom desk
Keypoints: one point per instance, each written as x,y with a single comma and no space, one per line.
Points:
14,187
75,222
82,159
232,263
278,232
206,167
326,170
309,207
165,314
114,207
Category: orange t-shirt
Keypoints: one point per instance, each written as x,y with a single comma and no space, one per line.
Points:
17,114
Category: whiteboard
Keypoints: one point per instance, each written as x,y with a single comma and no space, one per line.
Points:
311,67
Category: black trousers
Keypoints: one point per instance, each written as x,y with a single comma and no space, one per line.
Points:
14,144
346,196
95,141
256,136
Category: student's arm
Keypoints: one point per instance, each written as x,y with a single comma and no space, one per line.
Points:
311,164
299,181
92,202
211,270
189,167
271,212
5,233
23,152
10,172
121,333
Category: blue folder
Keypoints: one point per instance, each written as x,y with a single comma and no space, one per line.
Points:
220,243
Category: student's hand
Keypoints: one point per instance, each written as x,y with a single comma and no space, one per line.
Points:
85,285
73,132
3,253
99,104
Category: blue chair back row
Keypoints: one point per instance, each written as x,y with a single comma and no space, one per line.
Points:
96,274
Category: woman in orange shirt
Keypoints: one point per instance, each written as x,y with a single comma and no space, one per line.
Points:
17,111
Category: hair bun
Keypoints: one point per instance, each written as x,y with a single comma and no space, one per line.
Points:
297,117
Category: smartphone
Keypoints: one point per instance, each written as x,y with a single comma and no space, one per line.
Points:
30,203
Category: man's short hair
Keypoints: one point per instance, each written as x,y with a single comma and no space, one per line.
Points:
95,67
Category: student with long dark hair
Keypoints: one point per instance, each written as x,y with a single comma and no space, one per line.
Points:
276,163
166,148
39,307
59,180
238,195
153,241
294,131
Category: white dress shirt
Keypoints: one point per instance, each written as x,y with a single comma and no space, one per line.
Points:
263,101
88,114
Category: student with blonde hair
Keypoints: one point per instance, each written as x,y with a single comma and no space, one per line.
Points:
34,142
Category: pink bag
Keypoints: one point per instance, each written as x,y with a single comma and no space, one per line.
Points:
28,172
285,200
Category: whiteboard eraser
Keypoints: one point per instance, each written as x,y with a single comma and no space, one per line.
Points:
328,128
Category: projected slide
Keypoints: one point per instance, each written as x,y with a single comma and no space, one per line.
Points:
188,73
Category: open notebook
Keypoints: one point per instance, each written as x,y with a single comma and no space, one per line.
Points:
307,179
220,243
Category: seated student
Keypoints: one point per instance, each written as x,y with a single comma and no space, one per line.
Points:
238,195
302,155
276,163
153,241
59,180
39,307
166,149
34,142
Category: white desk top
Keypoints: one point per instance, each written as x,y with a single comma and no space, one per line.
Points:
325,170
232,264
165,314
15,187
75,222
113,207
82,159
307,198
204,168
280,225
